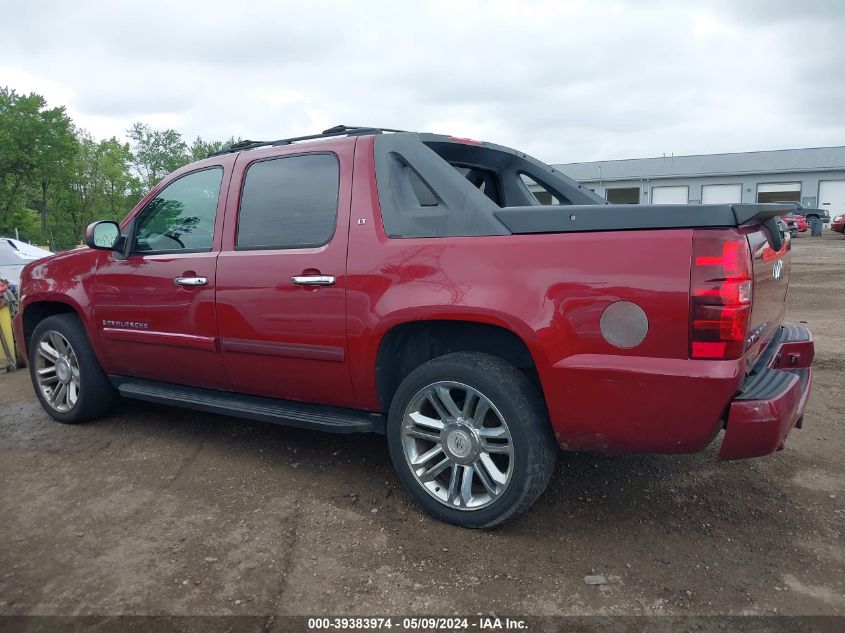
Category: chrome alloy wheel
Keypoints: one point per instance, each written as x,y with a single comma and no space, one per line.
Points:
57,371
458,445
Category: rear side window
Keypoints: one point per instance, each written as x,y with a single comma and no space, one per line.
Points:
541,192
485,180
425,196
289,202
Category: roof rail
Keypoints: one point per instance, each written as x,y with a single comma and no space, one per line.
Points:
337,130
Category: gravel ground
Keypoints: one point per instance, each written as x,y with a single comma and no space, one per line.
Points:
163,511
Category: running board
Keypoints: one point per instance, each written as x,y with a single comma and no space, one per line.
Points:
307,416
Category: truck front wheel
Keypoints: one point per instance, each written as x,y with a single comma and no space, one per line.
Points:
470,439
67,378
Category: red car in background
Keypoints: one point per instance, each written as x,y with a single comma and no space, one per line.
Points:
796,223
838,223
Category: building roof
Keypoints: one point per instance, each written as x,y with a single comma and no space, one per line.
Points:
783,160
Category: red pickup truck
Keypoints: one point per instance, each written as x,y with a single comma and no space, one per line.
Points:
412,285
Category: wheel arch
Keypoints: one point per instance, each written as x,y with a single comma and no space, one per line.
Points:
407,345
36,311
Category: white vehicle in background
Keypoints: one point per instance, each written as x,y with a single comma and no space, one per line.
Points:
14,255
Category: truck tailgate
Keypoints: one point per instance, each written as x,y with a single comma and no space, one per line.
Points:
771,278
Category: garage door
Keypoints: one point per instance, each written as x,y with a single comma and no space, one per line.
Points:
721,194
670,195
832,196
779,192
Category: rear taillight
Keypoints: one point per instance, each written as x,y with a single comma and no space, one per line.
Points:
720,294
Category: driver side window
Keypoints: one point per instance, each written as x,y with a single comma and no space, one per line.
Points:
181,217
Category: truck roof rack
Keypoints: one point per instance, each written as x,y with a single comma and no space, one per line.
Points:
337,130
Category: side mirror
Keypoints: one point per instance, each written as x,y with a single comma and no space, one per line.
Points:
103,235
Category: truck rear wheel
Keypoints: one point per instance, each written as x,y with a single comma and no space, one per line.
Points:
470,439
67,378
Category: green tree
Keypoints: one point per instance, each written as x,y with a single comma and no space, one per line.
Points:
18,134
101,187
53,155
201,149
37,146
55,179
156,153
118,183
86,184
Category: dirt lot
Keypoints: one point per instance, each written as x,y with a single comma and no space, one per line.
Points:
164,511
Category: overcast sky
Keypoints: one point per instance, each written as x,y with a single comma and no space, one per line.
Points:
564,81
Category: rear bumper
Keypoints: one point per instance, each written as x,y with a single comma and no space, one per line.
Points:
772,398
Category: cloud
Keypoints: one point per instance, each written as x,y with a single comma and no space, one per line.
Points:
565,81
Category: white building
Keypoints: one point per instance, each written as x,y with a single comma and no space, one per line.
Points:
813,176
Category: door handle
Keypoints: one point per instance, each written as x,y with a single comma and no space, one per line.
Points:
313,280
190,281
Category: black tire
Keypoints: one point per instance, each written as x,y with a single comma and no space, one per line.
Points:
95,392
522,406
